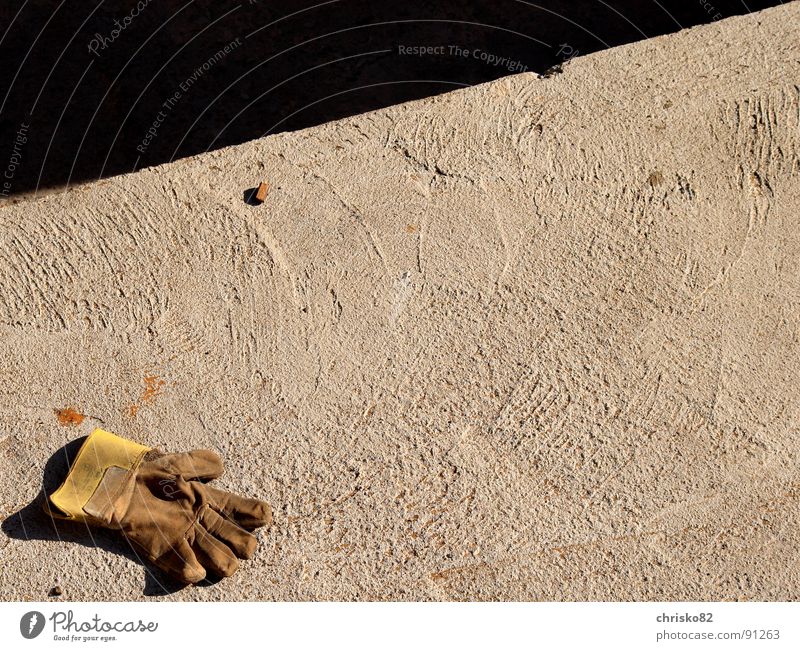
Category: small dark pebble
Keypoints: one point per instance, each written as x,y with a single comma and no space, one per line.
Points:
557,69
56,591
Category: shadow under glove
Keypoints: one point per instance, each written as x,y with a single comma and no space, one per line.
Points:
184,526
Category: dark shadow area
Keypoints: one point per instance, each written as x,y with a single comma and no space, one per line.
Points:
249,197
33,523
99,88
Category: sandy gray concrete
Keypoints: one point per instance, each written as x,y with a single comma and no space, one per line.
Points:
536,339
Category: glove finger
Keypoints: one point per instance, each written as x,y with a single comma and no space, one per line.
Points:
213,553
197,464
181,563
247,512
240,541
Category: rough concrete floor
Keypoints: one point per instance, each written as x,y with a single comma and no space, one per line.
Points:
536,339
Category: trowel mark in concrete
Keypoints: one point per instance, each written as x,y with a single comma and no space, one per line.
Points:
533,411
400,295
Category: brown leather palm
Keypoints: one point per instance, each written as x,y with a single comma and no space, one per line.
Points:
183,525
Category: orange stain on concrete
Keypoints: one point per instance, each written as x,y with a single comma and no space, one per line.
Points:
153,387
152,384
69,417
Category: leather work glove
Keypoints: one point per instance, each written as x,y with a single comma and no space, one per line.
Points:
184,526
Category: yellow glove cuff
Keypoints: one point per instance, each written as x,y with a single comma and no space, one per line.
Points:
101,450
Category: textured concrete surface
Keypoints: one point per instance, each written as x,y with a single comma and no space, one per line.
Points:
536,339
